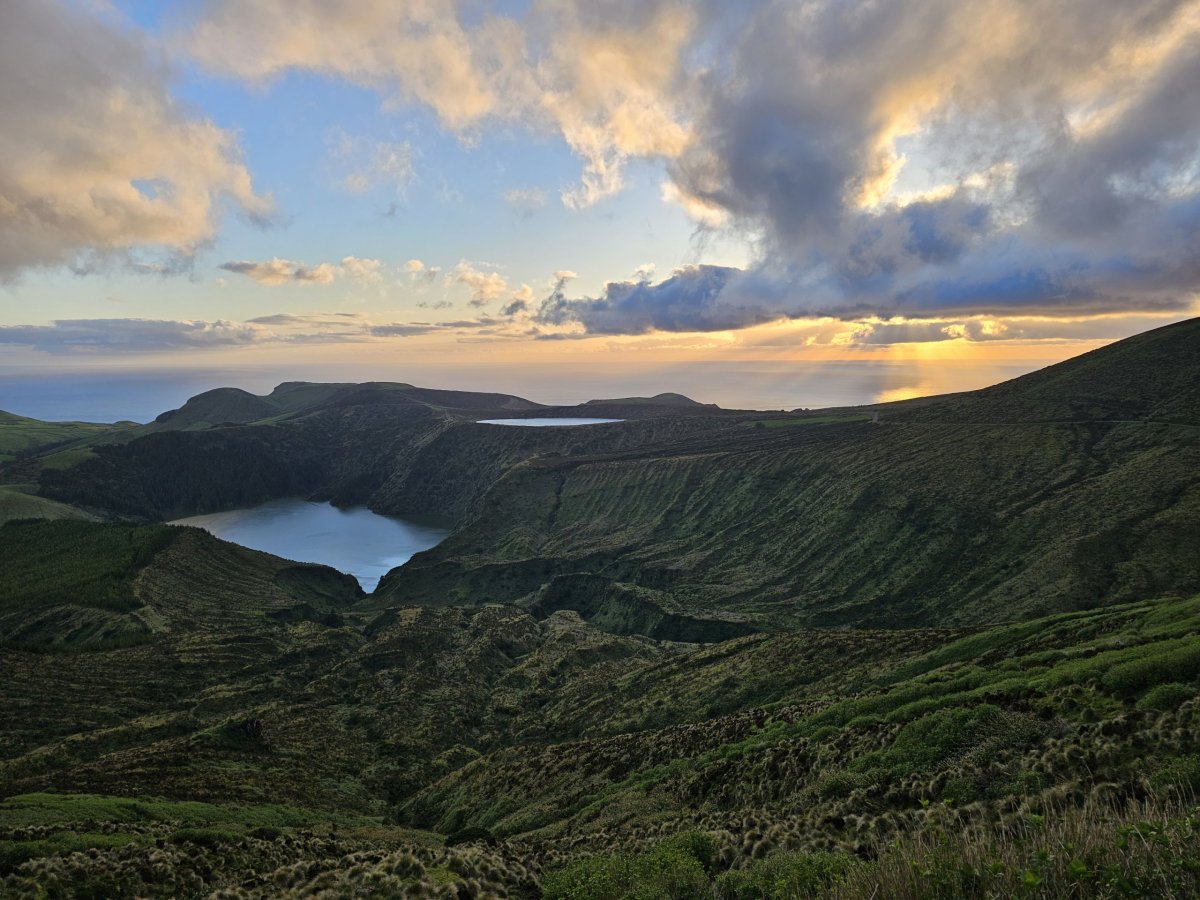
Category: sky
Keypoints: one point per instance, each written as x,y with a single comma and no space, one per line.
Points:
761,204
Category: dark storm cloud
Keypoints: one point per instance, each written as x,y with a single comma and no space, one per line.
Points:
1064,136
683,302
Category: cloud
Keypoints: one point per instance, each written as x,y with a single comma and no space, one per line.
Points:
1069,179
276,271
1060,139
128,335
787,119
412,51
421,275
525,201
603,75
899,159
121,336
484,286
1058,181
687,301
403,329
97,160
612,83
708,213
362,270
413,329
292,319
173,264
976,329
366,163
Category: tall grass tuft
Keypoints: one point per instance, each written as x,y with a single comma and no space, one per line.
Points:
1146,848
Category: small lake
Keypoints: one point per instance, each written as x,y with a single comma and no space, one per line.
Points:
546,422
354,540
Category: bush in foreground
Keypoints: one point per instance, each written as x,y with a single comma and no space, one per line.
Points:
1149,849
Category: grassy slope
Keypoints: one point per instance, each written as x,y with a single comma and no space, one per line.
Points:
1148,377
814,760
561,737
29,445
566,740
106,624
1072,487
20,501
861,523
1029,712
373,445
20,435
937,511
71,584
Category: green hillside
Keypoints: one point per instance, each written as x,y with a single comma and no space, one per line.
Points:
21,436
1061,490
937,512
1149,377
946,651
284,741
21,501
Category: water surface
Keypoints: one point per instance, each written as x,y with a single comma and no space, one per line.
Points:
354,540
546,421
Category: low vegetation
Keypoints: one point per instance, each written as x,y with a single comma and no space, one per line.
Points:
21,501
949,653
507,752
21,436
1140,849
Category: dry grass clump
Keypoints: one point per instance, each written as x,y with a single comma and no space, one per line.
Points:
209,863
1105,848
1146,848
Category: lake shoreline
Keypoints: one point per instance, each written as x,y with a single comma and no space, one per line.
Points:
354,539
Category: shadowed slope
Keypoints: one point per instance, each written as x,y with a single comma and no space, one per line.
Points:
1154,376
1061,490
941,511
538,741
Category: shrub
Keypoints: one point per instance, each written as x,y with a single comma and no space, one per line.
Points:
668,872
468,834
1180,772
700,845
782,876
590,878
205,837
840,784
960,790
1165,696
675,868
1141,850
930,740
1172,664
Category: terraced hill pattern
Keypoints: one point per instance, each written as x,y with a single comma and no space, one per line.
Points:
937,648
